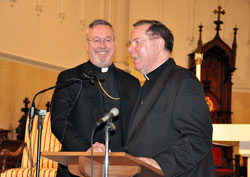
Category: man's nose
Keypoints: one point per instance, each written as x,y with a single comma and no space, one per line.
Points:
130,49
102,43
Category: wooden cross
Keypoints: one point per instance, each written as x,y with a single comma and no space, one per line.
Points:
219,12
26,103
200,40
48,105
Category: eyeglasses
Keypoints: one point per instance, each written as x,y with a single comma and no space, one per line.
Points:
97,41
137,42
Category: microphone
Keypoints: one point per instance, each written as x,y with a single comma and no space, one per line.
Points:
113,112
90,76
32,111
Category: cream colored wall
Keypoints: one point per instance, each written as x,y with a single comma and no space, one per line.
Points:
240,107
47,38
34,39
17,82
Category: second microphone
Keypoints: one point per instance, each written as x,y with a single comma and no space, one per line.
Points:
113,112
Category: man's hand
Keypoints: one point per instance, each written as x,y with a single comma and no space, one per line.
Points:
97,147
150,161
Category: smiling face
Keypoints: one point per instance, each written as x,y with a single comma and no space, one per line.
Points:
143,49
101,45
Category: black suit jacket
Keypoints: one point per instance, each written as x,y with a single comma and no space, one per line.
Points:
173,126
73,119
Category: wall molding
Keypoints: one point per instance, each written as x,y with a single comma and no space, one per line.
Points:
31,62
39,64
241,88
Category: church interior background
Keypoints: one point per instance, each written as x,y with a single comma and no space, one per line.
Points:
40,38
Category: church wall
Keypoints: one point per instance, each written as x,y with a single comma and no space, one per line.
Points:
240,107
17,82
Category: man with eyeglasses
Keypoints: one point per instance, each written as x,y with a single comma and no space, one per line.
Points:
170,127
77,107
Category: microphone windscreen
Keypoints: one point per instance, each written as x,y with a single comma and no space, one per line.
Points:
114,111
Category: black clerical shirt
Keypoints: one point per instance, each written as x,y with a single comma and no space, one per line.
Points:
151,79
109,92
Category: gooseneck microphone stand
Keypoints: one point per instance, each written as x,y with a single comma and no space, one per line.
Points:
40,113
90,76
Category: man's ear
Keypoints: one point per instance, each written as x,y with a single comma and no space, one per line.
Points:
87,44
161,44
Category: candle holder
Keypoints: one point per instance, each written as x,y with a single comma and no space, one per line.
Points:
198,61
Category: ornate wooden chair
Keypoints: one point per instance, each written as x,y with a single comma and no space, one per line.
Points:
49,143
225,165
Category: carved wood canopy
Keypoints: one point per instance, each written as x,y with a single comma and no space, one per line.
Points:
217,67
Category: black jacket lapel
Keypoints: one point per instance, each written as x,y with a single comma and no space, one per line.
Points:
139,114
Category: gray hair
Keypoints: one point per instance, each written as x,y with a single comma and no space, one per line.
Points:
99,22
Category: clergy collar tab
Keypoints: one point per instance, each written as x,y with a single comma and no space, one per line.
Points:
104,70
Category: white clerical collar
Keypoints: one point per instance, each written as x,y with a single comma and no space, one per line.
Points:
104,70
146,76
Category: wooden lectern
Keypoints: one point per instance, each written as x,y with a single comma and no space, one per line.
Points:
120,164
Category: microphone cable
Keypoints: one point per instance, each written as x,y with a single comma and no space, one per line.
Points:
66,120
30,155
91,140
